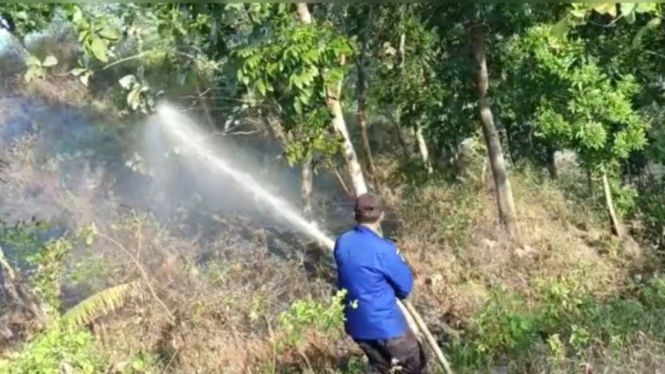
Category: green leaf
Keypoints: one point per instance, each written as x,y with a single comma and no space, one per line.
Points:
297,80
304,99
606,8
78,15
127,81
49,61
83,36
109,33
560,29
578,13
99,49
22,16
30,75
651,25
630,17
261,86
85,78
133,98
182,77
628,11
89,239
33,61
646,7
77,71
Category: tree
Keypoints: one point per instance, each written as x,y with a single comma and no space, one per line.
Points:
582,106
307,179
504,193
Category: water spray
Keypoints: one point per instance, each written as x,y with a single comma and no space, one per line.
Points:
194,140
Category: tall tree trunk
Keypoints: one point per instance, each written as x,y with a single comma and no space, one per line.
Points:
348,152
617,227
361,92
504,193
306,172
422,147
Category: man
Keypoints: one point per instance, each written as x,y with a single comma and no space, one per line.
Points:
375,275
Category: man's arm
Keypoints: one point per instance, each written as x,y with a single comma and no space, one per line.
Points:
397,272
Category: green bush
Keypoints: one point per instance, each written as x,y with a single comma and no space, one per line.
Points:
54,350
566,320
308,313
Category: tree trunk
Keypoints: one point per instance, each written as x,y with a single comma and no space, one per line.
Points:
303,13
504,193
551,163
349,153
306,172
422,147
395,119
361,93
617,228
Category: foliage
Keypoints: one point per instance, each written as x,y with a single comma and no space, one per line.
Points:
567,320
37,69
139,95
48,261
55,351
297,66
98,304
586,109
581,12
650,214
309,314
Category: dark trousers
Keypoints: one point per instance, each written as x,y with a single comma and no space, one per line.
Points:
400,355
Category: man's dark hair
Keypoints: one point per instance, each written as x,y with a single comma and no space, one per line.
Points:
368,208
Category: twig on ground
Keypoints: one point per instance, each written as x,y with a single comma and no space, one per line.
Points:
170,361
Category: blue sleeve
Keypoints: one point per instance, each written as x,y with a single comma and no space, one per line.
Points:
397,272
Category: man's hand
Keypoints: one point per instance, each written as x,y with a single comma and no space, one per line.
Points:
397,272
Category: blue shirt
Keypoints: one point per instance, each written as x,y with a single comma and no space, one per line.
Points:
375,275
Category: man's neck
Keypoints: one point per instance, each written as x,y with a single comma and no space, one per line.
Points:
375,227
